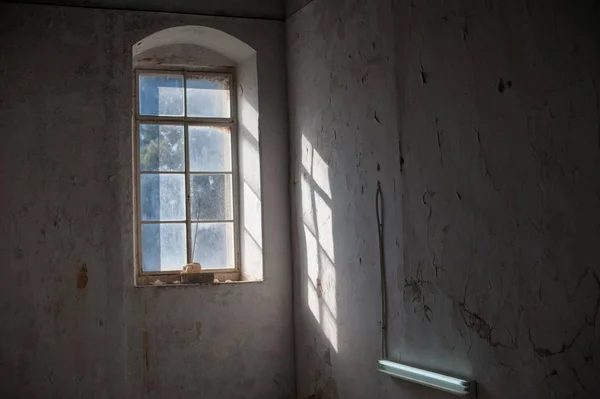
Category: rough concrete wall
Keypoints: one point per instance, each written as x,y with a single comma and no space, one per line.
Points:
483,121
271,9
73,324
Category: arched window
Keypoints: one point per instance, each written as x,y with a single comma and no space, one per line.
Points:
196,206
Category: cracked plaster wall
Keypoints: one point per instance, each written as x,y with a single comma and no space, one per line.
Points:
480,119
73,324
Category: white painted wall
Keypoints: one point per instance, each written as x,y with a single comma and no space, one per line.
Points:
65,173
480,119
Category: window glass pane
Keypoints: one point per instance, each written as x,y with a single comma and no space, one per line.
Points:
208,96
163,247
161,95
212,245
211,197
162,197
210,149
161,148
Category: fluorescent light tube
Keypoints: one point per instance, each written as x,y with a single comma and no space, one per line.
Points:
429,379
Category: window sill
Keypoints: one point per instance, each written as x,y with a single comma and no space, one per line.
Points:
179,280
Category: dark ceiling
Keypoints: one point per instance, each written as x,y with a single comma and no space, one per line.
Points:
264,9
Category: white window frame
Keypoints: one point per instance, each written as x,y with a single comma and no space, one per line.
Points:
169,277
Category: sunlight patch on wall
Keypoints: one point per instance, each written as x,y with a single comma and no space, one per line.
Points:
250,172
308,216
317,218
324,218
316,166
328,283
249,116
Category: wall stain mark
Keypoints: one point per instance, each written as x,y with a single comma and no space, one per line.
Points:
198,330
18,253
432,254
439,134
501,86
578,380
431,251
546,161
482,157
508,366
414,288
544,352
422,71
82,277
145,362
480,326
427,312
551,374
538,229
579,282
328,390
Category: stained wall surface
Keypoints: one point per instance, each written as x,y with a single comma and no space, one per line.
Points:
73,324
480,121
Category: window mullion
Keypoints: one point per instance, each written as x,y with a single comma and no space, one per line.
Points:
236,186
176,120
184,95
188,226
186,148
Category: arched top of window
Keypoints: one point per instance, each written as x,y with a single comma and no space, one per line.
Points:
202,36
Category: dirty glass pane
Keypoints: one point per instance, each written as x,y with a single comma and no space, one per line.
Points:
210,149
212,245
161,148
161,95
211,197
162,197
163,247
208,96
